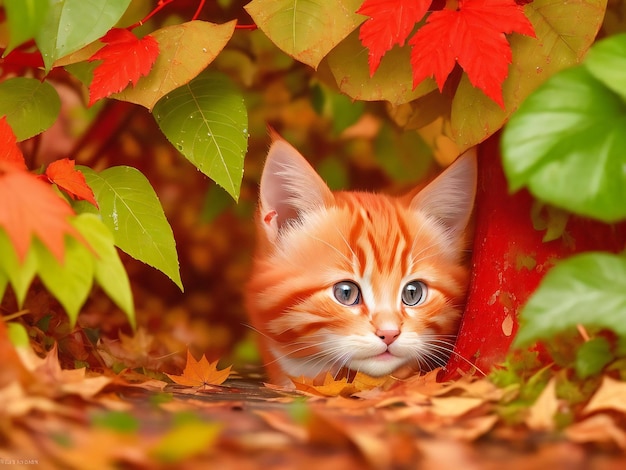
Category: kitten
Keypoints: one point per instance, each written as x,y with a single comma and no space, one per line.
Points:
352,281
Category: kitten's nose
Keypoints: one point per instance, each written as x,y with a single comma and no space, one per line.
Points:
388,336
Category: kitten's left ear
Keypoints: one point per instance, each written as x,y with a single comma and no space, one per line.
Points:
450,197
289,187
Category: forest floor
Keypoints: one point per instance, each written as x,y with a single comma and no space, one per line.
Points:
65,419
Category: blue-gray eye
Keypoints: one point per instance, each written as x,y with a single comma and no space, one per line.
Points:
414,293
347,293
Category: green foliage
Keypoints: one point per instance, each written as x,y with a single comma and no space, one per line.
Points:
567,144
24,17
71,281
307,31
131,210
587,289
72,24
592,357
207,122
30,106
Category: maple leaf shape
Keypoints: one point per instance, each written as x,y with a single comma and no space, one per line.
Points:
125,58
390,23
30,208
342,387
474,37
200,373
66,177
10,153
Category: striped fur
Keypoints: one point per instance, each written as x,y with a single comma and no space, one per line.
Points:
310,239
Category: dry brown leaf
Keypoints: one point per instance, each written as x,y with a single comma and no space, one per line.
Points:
541,414
281,422
200,373
453,407
600,428
611,395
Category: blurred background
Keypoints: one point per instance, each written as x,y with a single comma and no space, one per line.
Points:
353,145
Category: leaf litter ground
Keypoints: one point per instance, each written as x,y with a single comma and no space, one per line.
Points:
60,418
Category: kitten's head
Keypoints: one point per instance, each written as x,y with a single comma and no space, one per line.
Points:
353,280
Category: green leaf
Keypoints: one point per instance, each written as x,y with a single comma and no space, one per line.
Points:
185,50
207,122
567,144
24,18
118,421
186,440
70,282
592,357
108,269
72,24
403,155
18,335
338,108
587,289
564,34
20,275
131,210
30,106
307,30
392,82
607,62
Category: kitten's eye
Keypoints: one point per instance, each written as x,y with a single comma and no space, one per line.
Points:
347,293
414,293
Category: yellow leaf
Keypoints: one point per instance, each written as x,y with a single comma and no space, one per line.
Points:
541,414
200,373
610,396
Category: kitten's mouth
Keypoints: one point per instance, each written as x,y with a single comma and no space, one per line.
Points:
385,356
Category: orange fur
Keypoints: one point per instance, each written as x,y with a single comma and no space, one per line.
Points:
310,239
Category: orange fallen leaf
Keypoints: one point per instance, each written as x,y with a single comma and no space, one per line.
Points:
342,387
200,373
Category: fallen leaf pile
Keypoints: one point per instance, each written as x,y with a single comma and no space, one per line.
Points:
61,418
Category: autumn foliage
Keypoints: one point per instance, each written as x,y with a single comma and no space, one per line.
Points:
470,34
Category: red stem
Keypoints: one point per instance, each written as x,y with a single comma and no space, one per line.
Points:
251,27
162,4
197,13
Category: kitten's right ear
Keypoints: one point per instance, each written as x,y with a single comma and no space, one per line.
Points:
289,187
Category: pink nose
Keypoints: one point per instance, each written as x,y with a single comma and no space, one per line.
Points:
388,336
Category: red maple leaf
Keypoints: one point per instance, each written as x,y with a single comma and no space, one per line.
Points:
125,58
390,23
66,177
10,153
30,208
473,36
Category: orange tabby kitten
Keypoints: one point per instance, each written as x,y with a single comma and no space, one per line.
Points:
353,281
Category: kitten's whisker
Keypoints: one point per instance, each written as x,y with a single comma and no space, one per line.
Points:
448,348
354,256
334,248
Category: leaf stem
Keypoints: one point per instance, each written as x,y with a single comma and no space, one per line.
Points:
197,13
250,27
162,4
15,315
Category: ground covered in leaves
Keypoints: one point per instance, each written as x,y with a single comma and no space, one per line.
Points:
60,418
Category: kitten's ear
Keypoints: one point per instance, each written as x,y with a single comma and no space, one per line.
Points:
450,197
289,187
